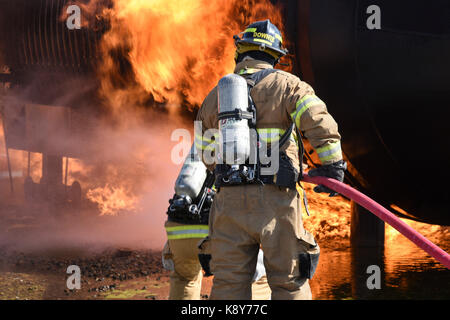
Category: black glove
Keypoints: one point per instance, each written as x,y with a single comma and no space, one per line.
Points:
204,262
334,170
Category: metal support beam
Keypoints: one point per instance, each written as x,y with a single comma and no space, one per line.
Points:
367,230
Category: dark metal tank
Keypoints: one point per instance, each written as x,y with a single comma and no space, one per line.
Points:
388,89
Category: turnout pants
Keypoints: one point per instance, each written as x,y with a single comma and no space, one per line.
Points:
186,278
245,217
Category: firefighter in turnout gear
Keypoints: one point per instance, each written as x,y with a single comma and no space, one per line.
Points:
187,228
253,208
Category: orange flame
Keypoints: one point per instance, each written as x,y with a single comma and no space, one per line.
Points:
169,52
329,217
172,52
112,200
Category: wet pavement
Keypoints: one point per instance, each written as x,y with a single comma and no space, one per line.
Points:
38,270
406,272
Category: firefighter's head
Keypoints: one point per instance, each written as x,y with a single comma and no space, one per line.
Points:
262,41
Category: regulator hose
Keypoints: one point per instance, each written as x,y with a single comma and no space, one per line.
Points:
384,214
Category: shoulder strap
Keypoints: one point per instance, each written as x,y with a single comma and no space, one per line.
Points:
255,78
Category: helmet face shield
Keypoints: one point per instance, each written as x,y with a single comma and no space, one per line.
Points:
263,36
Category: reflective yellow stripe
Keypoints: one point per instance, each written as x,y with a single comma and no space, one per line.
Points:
328,147
279,37
330,152
248,71
188,227
204,143
200,144
210,147
250,30
187,232
203,138
269,135
336,155
302,105
187,236
263,41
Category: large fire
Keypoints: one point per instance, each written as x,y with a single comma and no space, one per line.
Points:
172,52
161,52
176,50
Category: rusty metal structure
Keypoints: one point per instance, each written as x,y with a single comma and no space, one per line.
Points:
387,88
37,33
41,112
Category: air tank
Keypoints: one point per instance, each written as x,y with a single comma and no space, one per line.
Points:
234,142
192,176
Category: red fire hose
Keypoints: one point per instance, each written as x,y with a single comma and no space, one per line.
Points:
385,215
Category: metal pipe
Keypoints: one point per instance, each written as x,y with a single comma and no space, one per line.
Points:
66,173
28,164
7,157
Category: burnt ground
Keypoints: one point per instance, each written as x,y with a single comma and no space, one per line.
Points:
112,274
38,243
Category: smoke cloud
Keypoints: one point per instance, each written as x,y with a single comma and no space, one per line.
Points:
123,165
158,60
